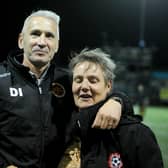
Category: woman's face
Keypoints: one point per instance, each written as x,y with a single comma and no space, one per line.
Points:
89,86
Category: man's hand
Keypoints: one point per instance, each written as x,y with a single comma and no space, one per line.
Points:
108,115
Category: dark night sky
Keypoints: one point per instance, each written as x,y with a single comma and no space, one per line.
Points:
83,23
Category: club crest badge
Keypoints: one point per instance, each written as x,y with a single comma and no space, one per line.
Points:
114,161
58,90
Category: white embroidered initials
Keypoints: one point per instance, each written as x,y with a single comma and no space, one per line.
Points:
16,92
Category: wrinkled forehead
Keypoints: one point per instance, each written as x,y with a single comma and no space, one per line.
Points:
86,66
42,20
41,23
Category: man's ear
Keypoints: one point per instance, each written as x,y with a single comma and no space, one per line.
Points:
20,41
57,47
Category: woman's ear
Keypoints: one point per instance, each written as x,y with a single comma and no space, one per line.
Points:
109,85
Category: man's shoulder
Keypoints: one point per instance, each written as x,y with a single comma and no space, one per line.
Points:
3,67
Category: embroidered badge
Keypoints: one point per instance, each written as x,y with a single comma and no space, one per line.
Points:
114,161
58,90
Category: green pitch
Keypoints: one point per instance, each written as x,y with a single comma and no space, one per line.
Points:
157,119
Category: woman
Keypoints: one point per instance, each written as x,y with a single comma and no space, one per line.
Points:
131,144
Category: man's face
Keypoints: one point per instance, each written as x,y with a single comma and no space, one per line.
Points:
39,41
89,86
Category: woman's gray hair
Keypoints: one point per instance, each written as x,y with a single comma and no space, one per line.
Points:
98,57
43,13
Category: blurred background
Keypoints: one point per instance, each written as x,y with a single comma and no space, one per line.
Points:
134,33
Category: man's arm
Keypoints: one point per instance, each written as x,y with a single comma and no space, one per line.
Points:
110,113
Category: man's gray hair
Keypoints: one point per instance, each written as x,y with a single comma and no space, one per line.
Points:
43,13
98,57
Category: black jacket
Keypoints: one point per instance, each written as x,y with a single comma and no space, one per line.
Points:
32,118
131,145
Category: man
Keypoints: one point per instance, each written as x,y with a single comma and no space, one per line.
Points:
36,100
